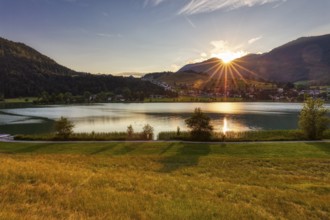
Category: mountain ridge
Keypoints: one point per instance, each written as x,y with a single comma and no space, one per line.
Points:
304,59
26,72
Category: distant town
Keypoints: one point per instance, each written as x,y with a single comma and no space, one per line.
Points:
287,92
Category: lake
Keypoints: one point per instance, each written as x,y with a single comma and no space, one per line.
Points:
109,117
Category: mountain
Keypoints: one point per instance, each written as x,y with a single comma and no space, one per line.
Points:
26,72
205,66
305,59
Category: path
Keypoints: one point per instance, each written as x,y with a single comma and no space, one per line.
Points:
10,139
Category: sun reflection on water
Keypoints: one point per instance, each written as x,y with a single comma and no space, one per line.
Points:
226,107
225,126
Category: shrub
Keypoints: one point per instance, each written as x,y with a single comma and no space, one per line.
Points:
199,123
63,128
313,120
148,132
130,131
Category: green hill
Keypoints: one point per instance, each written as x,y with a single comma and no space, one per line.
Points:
26,72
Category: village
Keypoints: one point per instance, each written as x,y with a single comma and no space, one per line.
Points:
287,92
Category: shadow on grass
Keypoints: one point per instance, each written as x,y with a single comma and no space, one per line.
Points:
104,149
31,148
325,147
115,149
124,149
167,149
187,155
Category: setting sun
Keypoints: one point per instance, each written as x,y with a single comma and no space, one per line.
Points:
229,56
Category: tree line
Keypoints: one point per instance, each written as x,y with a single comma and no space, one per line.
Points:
124,94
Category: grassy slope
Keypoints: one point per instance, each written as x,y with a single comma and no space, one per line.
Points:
165,181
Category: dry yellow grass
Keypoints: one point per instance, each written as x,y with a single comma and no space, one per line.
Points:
164,181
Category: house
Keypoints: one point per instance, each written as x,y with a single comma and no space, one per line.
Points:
120,98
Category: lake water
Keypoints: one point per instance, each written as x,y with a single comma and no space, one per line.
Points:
162,116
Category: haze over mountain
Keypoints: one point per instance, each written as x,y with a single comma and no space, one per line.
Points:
305,59
26,72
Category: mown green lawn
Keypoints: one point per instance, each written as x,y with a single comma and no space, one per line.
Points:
165,181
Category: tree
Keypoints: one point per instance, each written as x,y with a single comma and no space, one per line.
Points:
148,132
67,97
87,96
313,120
126,92
63,128
199,123
130,131
44,97
178,131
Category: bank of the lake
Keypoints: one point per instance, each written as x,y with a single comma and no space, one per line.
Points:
115,117
247,136
165,181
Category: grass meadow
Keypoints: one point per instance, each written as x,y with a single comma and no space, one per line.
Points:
164,181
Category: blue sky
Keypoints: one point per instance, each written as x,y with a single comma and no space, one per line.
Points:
115,36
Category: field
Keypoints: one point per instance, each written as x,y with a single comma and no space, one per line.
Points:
165,181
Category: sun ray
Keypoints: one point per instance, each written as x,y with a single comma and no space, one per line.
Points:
220,75
238,73
249,71
217,68
232,76
226,78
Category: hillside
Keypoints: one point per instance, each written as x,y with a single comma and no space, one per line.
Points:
26,72
305,59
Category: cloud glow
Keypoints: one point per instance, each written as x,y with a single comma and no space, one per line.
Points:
225,52
253,40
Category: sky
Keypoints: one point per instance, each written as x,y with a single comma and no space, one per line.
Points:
143,36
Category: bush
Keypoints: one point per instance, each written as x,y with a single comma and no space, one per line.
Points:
130,131
63,128
313,120
172,135
199,123
93,136
148,132
271,135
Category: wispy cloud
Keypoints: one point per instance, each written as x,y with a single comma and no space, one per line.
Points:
192,24
253,40
152,2
204,6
